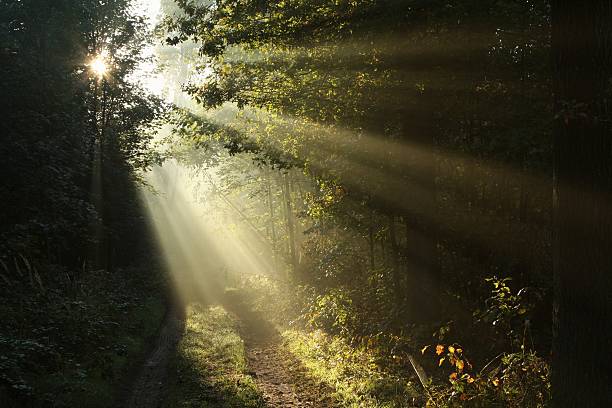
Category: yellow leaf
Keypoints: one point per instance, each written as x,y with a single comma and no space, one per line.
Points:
451,349
439,349
495,382
459,350
441,361
459,364
424,349
470,380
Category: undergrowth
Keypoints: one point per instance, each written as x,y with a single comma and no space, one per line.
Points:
69,339
386,369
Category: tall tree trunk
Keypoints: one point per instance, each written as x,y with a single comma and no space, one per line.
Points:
97,252
290,222
395,258
272,224
523,203
421,229
582,314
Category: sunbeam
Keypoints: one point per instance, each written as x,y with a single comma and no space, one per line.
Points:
202,234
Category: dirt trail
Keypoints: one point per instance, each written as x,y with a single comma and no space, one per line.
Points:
279,375
147,391
281,378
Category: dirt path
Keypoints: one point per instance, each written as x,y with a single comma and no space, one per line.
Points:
147,391
279,375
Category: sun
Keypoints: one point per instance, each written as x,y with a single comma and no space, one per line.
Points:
98,66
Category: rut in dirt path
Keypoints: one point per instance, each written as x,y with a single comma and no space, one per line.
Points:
282,379
148,389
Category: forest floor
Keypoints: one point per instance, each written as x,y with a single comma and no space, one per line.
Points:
224,355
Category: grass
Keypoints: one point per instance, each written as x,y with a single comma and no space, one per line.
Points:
210,368
352,372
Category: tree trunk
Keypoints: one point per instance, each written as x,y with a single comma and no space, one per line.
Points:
395,259
290,223
272,223
582,313
371,239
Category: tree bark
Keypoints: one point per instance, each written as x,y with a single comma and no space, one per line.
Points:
582,313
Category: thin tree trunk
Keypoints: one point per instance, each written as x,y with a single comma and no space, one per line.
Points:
371,240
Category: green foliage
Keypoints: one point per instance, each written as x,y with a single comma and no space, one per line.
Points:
511,379
332,311
53,111
510,311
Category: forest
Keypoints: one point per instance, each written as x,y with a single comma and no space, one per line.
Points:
305,203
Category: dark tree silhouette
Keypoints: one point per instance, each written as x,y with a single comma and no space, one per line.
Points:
582,48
